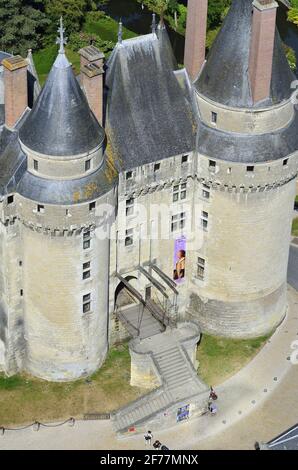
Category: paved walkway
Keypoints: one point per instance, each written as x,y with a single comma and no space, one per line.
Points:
264,393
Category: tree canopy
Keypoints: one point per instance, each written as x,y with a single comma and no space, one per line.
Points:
22,24
73,12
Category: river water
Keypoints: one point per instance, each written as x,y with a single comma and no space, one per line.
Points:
139,19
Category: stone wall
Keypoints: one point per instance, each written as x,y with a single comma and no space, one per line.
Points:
42,278
63,167
243,121
11,300
245,245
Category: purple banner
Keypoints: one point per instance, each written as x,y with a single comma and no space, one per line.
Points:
179,260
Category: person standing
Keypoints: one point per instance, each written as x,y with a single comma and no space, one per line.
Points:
148,438
212,408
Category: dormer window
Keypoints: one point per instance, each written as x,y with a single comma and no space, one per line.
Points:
87,165
214,117
212,165
92,206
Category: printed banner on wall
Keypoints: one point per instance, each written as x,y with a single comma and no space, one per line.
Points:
183,413
179,260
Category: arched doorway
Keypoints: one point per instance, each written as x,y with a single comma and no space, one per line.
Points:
122,297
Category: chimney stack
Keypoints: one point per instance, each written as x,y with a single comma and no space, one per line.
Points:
195,40
15,89
261,48
92,79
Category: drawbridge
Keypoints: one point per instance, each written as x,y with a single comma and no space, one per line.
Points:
148,316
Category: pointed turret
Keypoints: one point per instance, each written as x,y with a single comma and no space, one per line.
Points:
153,25
61,122
120,32
165,43
225,77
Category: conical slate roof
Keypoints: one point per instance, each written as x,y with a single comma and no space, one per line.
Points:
61,122
225,77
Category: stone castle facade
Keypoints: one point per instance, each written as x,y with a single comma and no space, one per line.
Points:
90,175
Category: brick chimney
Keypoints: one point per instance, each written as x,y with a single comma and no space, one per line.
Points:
92,79
261,48
195,40
15,89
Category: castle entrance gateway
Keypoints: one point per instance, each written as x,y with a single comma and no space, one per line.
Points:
143,314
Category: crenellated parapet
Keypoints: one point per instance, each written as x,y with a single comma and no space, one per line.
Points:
247,178
220,175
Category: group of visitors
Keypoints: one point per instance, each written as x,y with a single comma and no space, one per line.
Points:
148,436
157,444
211,405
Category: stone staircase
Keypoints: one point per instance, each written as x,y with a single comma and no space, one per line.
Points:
179,382
174,367
141,411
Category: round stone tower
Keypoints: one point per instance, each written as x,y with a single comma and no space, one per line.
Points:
247,168
62,204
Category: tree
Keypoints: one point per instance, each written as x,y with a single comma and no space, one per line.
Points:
159,6
216,10
293,12
22,25
73,12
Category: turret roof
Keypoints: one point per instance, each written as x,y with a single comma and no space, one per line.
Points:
61,122
224,79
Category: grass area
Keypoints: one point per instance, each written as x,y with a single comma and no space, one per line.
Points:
107,29
24,399
220,358
295,227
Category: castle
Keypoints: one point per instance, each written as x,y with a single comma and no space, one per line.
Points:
145,186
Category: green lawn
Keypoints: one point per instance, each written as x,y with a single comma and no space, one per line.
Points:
295,228
24,399
107,29
220,358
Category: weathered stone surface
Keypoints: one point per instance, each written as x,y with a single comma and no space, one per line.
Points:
170,356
